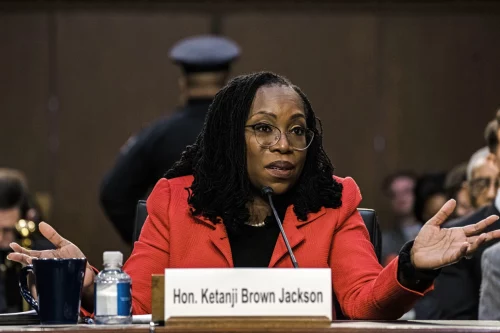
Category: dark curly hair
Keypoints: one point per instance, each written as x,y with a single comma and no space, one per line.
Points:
217,160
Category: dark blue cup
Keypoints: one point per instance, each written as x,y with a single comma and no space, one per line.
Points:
59,285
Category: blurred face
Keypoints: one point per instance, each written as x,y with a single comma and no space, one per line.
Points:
464,206
432,206
280,165
8,220
402,197
484,184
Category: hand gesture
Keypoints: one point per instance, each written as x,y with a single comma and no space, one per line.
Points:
64,249
435,247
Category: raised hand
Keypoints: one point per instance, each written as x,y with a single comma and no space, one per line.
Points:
436,247
64,249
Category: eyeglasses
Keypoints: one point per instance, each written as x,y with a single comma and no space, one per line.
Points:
299,138
480,184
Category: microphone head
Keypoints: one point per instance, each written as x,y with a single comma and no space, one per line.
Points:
266,190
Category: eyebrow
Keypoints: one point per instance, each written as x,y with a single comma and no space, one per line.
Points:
273,115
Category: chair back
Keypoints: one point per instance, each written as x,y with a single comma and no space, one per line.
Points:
141,213
369,216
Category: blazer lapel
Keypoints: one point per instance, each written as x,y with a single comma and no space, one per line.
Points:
218,236
292,226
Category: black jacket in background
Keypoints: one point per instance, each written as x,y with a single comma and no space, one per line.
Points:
456,289
144,160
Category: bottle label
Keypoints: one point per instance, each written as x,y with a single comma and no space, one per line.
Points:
112,299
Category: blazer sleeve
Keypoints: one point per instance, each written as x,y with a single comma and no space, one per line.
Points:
363,288
152,251
489,300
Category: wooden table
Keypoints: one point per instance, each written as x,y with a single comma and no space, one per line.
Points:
336,327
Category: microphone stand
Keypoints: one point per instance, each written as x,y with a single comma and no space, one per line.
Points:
269,191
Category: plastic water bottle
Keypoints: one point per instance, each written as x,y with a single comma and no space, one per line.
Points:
112,288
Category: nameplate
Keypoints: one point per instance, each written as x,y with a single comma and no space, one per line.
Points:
248,292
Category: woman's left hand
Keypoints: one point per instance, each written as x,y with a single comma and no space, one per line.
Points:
435,247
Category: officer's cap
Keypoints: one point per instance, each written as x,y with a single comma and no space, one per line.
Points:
204,53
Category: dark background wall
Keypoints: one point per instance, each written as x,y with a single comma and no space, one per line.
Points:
398,85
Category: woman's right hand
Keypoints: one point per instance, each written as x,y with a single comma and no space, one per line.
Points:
64,249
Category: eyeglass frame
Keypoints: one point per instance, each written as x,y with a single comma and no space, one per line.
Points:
279,138
477,188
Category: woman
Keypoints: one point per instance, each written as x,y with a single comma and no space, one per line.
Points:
209,212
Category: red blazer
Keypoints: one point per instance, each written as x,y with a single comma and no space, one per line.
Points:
335,238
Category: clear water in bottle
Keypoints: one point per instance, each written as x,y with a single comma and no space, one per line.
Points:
112,292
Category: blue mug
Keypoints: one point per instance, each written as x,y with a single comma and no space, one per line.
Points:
59,285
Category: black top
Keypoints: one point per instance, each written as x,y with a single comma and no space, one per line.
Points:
144,159
253,246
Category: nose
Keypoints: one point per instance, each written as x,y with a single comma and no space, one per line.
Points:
283,145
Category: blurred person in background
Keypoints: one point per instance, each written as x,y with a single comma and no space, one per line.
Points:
414,200
457,289
482,178
12,199
489,297
19,217
430,195
143,160
455,186
399,188
489,300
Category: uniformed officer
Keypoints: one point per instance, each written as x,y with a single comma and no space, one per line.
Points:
145,158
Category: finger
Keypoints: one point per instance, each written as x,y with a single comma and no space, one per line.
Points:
461,253
18,248
474,246
487,236
495,234
464,248
51,234
476,228
20,257
472,239
31,253
36,254
443,214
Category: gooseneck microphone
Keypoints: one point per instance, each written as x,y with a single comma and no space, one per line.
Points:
268,191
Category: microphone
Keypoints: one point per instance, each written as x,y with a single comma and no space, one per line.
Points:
268,191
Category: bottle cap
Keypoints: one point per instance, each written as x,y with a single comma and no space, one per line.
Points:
114,258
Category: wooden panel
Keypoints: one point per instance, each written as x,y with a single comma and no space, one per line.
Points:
115,77
395,90
331,57
24,96
439,87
